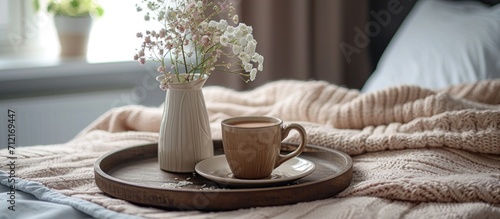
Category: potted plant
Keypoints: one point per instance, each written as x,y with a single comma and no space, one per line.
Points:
73,21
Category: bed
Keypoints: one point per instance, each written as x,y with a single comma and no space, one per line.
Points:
423,133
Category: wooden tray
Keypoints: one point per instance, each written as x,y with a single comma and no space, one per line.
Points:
133,174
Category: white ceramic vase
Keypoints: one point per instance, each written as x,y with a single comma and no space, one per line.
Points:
185,136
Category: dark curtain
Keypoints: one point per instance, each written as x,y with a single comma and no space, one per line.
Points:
306,40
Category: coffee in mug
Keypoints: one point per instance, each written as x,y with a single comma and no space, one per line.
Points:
252,145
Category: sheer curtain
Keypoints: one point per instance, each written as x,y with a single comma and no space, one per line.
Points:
301,39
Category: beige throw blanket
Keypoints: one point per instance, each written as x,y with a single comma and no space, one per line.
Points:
416,152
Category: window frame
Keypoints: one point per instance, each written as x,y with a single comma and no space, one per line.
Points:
22,33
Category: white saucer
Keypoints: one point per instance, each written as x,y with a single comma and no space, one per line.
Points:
217,169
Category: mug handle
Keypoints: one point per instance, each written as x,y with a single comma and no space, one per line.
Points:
296,152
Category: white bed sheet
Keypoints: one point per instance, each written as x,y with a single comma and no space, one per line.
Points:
35,201
27,206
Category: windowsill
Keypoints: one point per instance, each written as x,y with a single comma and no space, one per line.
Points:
29,76
40,66
51,59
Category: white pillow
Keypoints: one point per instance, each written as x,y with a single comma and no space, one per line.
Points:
441,43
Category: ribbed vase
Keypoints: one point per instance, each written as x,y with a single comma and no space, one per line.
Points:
185,136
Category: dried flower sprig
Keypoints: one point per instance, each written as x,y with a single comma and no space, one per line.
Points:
193,41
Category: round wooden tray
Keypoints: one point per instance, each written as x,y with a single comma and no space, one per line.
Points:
133,174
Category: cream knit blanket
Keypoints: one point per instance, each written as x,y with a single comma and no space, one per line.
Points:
416,152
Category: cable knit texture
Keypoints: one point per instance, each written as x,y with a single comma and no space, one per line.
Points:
417,153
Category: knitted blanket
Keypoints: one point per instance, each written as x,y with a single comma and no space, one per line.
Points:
416,152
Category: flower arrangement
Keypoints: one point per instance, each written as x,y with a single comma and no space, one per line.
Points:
194,43
71,8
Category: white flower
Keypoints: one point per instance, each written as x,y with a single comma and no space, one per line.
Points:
222,25
253,74
258,58
242,42
244,57
224,40
238,33
237,49
230,36
247,66
250,47
230,29
199,4
245,28
235,19
212,24
249,37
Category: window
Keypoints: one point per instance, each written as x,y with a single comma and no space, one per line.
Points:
113,35
29,34
4,16
11,36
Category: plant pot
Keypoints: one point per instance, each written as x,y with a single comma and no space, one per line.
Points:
73,34
185,137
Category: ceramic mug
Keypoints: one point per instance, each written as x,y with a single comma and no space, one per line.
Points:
252,145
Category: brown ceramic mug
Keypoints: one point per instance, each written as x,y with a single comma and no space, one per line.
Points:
252,145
